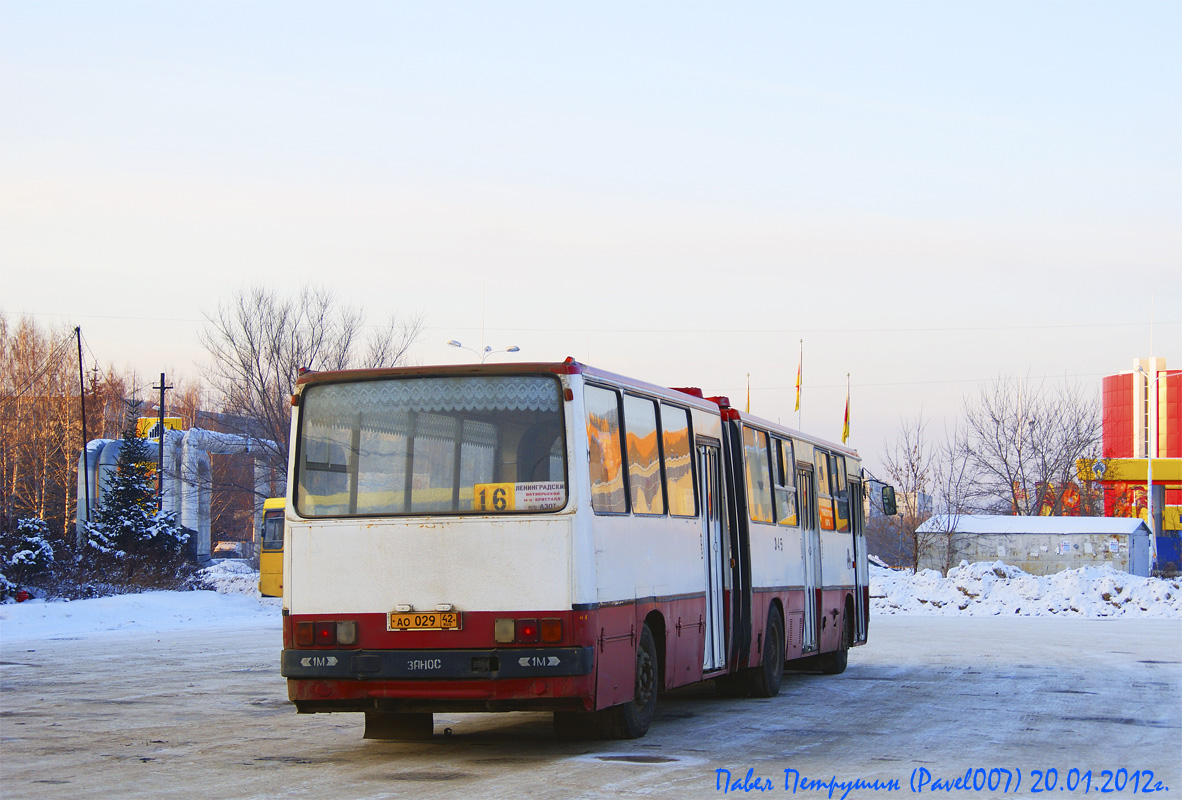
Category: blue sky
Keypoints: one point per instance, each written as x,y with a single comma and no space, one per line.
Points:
929,194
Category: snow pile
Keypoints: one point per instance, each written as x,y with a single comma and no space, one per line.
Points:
991,589
234,603
156,611
230,576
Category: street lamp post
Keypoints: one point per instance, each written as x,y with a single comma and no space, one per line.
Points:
486,352
1150,450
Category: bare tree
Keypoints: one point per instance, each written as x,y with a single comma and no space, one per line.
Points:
1021,444
911,466
40,423
940,543
261,339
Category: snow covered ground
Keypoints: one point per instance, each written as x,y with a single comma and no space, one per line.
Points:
234,603
151,695
969,590
202,711
983,589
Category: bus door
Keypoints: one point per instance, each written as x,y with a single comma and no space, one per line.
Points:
856,523
713,508
810,544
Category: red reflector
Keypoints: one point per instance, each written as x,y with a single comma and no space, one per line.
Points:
303,634
326,633
527,630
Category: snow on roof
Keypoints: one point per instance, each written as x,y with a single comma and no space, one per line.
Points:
1055,526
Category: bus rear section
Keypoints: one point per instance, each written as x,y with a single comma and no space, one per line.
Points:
271,547
428,565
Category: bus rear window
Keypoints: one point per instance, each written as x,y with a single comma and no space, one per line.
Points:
414,446
273,530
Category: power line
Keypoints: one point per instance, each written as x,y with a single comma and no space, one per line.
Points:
93,357
45,365
106,316
794,331
919,383
708,331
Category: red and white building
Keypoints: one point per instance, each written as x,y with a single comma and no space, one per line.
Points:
1142,421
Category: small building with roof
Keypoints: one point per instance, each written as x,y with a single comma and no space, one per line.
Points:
1037,545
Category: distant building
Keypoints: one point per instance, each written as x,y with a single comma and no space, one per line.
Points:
1143,419
1037,545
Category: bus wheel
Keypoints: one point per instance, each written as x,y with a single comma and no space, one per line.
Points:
733,685
631,720
835,663
765,681
398,727
576,725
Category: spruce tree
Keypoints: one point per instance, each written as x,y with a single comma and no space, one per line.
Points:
129,540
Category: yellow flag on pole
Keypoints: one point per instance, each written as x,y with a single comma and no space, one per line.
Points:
845,427
799,368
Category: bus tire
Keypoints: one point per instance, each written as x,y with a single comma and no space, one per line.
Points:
576,725
765,681
733,685
393,727
835,663
631,720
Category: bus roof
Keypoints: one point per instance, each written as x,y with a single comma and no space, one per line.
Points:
759,422
691,397
567,367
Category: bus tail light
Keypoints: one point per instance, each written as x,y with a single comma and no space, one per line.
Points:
527,630
325,632
551,631
304,636
507,630
347,632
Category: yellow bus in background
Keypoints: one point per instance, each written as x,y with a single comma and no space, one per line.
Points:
271,548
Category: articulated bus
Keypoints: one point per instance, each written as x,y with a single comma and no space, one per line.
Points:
271,548
555,537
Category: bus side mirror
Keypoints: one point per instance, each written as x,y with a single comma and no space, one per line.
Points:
888,501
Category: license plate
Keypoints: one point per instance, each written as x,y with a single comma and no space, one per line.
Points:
426,621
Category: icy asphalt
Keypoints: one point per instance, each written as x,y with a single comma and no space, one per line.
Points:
199,710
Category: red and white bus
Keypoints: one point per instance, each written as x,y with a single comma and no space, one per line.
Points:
556,537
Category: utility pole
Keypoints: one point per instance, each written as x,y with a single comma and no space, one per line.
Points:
82,398
160,463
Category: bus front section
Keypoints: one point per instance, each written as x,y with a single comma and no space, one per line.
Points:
428,559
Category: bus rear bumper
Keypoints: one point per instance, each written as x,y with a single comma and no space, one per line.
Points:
434,665
440,680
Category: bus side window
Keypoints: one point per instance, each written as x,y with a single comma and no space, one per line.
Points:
840,492
608,495
644,455
824,496
679,476
759,493
784,471
805,485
